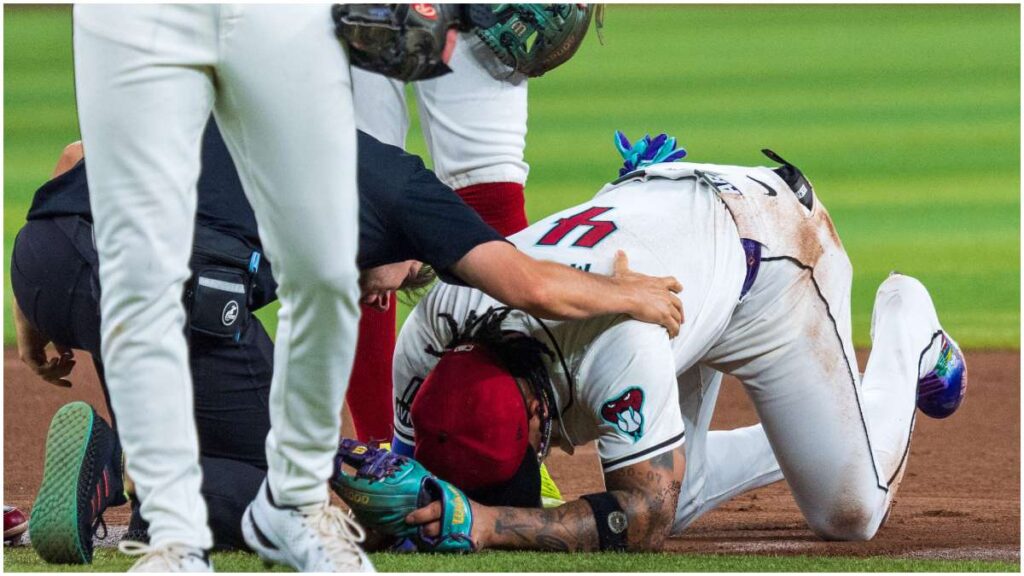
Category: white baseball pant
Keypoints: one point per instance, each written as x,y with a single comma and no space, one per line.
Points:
147,77
720,464
820,433
840,441
474,124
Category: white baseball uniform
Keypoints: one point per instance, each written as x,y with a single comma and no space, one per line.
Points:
474,124
277,79
720,464
841,443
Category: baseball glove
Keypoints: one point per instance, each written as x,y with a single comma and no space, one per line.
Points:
386,488
403,41
535,38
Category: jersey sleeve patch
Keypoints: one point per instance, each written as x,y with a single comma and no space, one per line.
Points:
626,413
630,394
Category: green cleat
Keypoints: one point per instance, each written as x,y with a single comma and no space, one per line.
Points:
82,477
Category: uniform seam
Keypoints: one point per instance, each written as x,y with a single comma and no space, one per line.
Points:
849,369
913,416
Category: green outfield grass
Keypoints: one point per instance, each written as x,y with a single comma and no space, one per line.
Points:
907,119
25,560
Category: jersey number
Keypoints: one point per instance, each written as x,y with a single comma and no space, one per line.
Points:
599,229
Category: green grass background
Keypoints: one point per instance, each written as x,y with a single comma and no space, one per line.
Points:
25,560
906,118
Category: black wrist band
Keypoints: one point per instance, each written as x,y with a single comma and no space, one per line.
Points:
612,523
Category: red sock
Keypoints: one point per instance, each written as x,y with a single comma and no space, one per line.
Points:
501,205
370,388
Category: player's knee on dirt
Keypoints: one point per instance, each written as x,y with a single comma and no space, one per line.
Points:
849,521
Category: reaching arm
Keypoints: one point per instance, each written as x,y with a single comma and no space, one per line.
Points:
558,292
647,492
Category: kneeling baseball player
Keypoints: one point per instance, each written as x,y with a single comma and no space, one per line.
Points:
407,216
483,391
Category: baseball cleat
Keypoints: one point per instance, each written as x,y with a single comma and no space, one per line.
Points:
314,538
81,478
941,390
171,557
15,523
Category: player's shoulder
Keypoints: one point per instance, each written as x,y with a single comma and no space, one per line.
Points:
623,342
628,394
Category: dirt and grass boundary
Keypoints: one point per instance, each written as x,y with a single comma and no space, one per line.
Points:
958,506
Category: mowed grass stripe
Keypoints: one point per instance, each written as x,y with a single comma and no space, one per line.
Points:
906,118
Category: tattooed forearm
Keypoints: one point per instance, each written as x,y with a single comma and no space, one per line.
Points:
647,493
568,528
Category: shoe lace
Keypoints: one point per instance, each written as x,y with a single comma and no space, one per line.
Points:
171,554
97,524
339,535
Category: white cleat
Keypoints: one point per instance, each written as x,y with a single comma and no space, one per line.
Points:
167,558
314,538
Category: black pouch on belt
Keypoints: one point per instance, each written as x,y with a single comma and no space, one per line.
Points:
220,301
219,295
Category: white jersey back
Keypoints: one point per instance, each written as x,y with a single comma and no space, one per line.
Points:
614,378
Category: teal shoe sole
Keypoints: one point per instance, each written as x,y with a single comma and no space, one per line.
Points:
54,526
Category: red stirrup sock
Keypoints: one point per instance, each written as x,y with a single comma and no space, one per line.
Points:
501,205
370,388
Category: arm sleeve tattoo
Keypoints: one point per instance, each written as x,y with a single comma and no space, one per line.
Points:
647,491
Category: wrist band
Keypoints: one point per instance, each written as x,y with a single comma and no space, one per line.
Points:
612,523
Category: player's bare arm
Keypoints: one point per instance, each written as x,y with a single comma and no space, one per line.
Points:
557,292
646,492
31,343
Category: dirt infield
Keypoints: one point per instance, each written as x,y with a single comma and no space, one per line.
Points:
960,498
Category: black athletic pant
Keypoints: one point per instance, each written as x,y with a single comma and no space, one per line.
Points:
55,281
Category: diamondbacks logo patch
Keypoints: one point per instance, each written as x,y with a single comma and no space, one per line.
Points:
625,412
